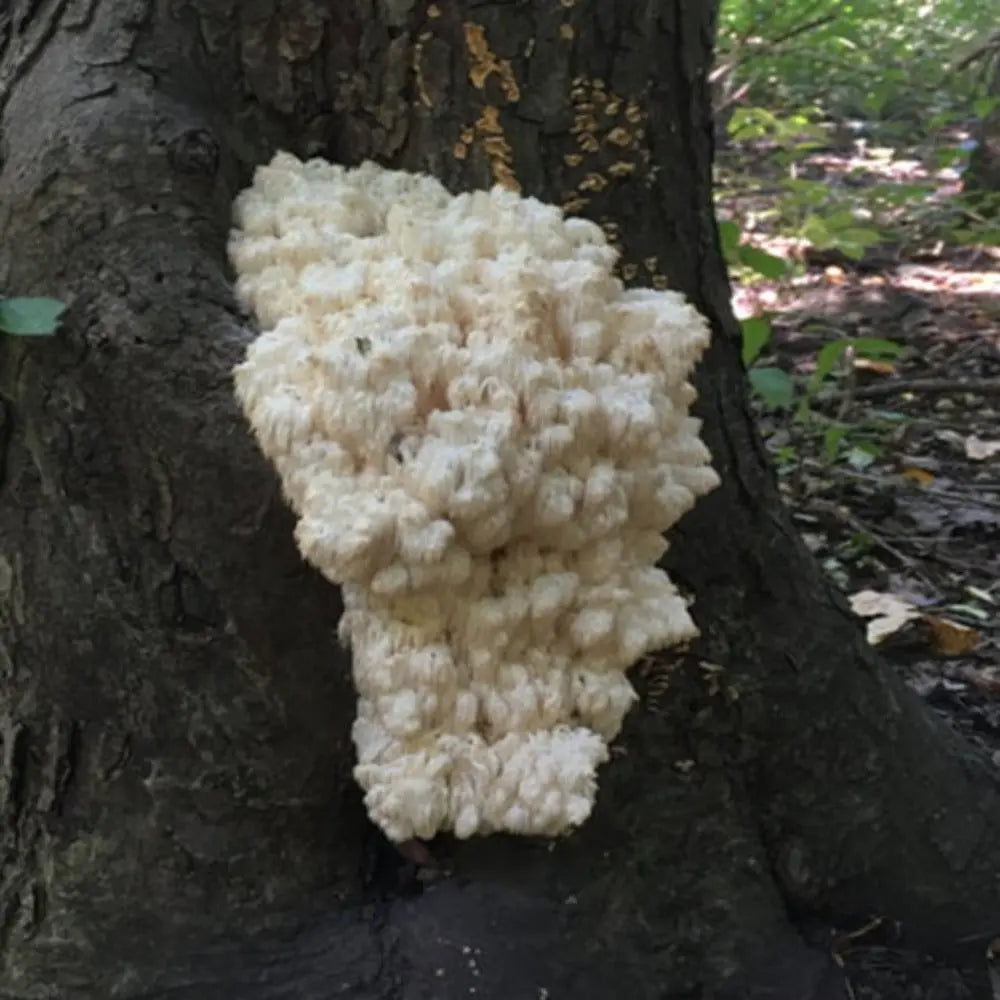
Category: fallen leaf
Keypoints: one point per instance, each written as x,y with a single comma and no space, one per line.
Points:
888,614
921,476
971,610
948,638
980,594
814,541
949,436
874,366
979,450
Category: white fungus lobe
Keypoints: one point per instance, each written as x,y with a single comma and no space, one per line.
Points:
484,436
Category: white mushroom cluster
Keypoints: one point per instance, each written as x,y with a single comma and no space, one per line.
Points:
484,436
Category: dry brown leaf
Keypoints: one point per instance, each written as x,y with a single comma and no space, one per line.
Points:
918,475
948,638
889,614
874,366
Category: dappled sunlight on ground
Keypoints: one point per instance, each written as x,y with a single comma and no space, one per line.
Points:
928,280
891,464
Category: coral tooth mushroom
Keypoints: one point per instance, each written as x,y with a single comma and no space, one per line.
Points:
484,437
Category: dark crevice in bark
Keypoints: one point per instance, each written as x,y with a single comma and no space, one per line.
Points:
17,765
65,767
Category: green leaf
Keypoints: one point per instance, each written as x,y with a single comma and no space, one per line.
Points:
815,231
30,317
763,263
984,106
949,155
940,118
786,455
756,334
827,358
858,235
832,437
729,237
773,385
751,123
985,237
853,251
840,220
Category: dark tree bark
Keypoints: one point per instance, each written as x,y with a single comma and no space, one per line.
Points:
179,818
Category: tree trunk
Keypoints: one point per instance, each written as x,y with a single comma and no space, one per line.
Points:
983,175
179,814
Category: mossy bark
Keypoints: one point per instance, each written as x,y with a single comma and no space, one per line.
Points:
175,779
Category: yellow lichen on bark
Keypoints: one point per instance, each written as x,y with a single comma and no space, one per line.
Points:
497,148
483,63
610,146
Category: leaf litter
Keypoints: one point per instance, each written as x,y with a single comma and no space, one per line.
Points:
891,468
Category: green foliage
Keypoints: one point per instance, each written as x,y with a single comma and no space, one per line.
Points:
747,257
983,107
30,317
869,348
777,390
841,117
872,59
839,231
774,386
750,123
796,75
756,336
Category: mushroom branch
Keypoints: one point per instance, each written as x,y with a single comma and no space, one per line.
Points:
484,436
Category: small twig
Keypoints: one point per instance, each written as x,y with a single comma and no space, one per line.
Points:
801,29
850,385
736,96
878,483
984,386
990,46
737,56
923,545
910,562
964,564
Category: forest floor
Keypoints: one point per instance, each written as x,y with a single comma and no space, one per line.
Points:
892,470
